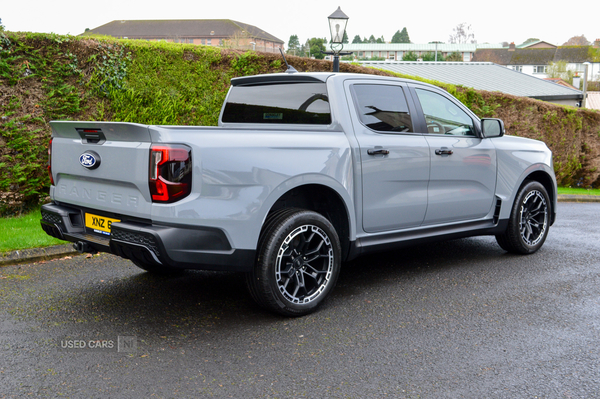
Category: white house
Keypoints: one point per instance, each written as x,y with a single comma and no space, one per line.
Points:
533,59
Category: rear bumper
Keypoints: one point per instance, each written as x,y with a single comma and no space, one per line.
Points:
185,247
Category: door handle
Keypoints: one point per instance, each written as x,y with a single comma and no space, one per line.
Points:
378,151
444,151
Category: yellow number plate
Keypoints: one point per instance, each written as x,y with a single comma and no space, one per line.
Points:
99,224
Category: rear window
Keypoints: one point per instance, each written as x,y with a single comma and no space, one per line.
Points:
290,103
383,108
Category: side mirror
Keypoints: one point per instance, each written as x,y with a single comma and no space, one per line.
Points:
491,127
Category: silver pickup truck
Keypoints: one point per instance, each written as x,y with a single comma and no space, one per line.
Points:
305,171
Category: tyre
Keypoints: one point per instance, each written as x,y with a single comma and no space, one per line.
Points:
156,269
298,262
529,220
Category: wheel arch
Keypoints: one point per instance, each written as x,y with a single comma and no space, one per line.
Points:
549,184
323,200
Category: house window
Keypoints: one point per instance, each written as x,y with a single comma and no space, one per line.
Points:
539,69
203,41
518,68
208,42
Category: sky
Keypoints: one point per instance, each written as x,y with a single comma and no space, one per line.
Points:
430,20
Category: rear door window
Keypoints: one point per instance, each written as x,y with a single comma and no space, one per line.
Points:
289,103
383,108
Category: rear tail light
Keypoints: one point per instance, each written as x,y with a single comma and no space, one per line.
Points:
50,162
170,175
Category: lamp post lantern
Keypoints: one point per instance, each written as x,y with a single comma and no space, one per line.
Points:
337,27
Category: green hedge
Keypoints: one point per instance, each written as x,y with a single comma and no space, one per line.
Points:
46,77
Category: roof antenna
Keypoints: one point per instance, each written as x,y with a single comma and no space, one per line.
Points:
290,69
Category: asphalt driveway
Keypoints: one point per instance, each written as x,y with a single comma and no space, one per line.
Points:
450,320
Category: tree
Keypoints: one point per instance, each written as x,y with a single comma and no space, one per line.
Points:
345,38
410,56
239,40
462,33
316,47
531,40
293,44
455,56
356,39
431,56
381,39
401,37
372,39
577,41
559,70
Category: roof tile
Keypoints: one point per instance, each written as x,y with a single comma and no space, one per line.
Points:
151,29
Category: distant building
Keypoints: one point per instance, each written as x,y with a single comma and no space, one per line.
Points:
536,44
485,76
593,100
208,32
534,58
395,51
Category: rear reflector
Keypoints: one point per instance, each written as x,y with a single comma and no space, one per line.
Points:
50,162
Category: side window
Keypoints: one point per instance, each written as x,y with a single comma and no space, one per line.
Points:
286,103
443,116
382,108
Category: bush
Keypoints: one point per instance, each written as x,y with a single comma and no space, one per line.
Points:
47,76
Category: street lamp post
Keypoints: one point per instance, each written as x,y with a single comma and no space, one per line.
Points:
337,27
585,79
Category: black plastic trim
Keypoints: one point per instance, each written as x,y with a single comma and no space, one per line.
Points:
277,79
397,240
559,97
190,247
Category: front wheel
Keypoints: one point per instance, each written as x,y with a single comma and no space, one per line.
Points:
298,262
529,220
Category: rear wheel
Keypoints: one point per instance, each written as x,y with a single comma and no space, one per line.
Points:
298,262
529,220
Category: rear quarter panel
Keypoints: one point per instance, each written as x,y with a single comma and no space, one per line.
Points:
244,171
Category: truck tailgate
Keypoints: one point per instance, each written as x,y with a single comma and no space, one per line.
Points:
102,165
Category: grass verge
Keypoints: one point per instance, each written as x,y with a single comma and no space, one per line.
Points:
578,191
23,232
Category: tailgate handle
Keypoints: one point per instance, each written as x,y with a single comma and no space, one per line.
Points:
91,136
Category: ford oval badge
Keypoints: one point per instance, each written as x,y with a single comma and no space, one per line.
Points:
89,160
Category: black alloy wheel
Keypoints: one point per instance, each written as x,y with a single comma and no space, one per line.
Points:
529,220
298,263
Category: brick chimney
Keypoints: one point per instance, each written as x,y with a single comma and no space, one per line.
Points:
511,47
597,43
